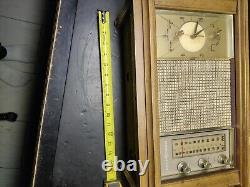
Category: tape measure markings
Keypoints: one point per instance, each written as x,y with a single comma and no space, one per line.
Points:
107,89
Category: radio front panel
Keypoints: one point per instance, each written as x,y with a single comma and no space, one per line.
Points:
201,152
195,92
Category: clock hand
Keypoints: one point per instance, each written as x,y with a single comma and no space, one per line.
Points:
196,34
196,27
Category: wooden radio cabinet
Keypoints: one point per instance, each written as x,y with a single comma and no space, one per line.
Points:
187,87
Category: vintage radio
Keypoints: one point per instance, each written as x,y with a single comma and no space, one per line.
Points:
195,68
186,71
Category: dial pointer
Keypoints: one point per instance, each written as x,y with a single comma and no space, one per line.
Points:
196,34
196,27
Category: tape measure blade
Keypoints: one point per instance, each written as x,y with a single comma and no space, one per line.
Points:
107,88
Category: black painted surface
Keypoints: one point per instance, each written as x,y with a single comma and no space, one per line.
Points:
54,100
80,149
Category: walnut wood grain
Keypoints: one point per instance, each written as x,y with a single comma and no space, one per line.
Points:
242,91
224,179
140,86
221,6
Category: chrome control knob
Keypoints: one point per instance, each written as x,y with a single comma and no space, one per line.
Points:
183,168
223,159
204,164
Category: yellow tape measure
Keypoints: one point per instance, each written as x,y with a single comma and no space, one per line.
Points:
107,89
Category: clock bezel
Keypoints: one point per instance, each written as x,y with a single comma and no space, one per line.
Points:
209,21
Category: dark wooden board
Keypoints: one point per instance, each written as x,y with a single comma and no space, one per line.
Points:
54,98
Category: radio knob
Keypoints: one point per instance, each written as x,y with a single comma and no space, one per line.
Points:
204,164
183,168
223,159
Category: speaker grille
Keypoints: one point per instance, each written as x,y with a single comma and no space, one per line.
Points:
193,94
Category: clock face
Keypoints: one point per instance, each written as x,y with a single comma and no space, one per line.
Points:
193,35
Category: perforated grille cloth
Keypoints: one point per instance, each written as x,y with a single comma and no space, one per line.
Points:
193,94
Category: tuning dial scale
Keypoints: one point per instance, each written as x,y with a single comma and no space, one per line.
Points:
191,154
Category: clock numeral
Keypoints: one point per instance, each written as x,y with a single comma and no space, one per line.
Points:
170,46
200,19
212,47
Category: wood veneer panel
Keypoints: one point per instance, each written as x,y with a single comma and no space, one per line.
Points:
221,6
224,179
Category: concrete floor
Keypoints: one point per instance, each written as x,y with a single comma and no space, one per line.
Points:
21,24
